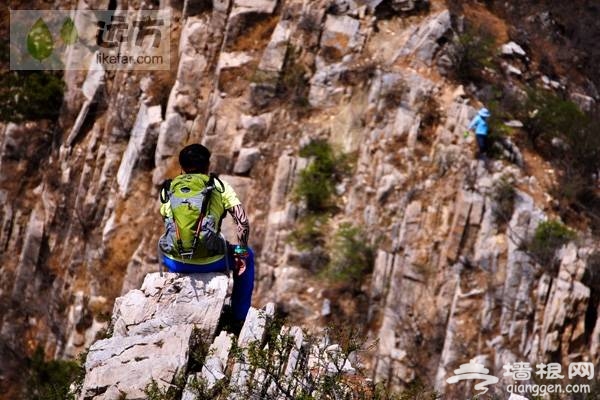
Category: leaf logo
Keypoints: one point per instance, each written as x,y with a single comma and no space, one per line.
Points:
40,43
68,32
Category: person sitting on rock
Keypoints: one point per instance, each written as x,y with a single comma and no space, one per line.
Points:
194,205
479,125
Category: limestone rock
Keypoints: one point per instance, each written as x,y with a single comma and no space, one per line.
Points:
274,55
92,84
512,49
246,160
214,366
264,88
242,14
126,365
340,36
253,331
143,138
171,135
28,260
153,327
586,103
186,299
424,41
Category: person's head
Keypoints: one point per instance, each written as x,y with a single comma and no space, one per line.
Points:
194,159
484,113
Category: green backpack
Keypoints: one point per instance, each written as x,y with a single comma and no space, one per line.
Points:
191,232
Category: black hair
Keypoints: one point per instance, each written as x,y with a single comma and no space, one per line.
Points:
194,158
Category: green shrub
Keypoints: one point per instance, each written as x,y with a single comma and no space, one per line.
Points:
154,392
316,185
549,236
577,157
199,388
50,380
550,116
503,195
473,52
321,378
309,232
30,96
351,257
293,84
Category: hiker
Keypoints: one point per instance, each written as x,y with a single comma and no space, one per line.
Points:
479,125
194,205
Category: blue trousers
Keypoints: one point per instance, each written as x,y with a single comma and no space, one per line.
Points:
482,144
243,285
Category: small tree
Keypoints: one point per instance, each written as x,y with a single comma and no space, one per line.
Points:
30,96
473,52
316,185
351,257
50,380
549,236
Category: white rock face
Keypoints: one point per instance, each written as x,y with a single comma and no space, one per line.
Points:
128,364
153,327
184,299
93,82
28,259
143,135
513,49
423,42
246,160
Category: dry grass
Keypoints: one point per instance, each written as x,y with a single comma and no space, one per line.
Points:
256,33
483,19
234,81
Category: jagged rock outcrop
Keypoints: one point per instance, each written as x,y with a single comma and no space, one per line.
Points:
152,331
255,81
158,334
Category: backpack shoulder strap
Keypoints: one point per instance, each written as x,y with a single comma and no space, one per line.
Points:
164,193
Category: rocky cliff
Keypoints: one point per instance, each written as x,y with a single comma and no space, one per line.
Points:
164,343
452,278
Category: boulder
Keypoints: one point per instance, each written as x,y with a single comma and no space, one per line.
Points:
424,41
183,299
512,49
246,160
340,36
153,328
126,365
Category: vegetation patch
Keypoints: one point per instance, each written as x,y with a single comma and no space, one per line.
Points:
154,391
503,195
316,185
549,236
473,53
568,138
293,84
351,257
309,232
26,96
51,380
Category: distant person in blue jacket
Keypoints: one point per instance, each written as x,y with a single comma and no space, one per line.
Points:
479,125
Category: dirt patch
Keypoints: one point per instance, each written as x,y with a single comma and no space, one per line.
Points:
235,81
254,32
483,20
